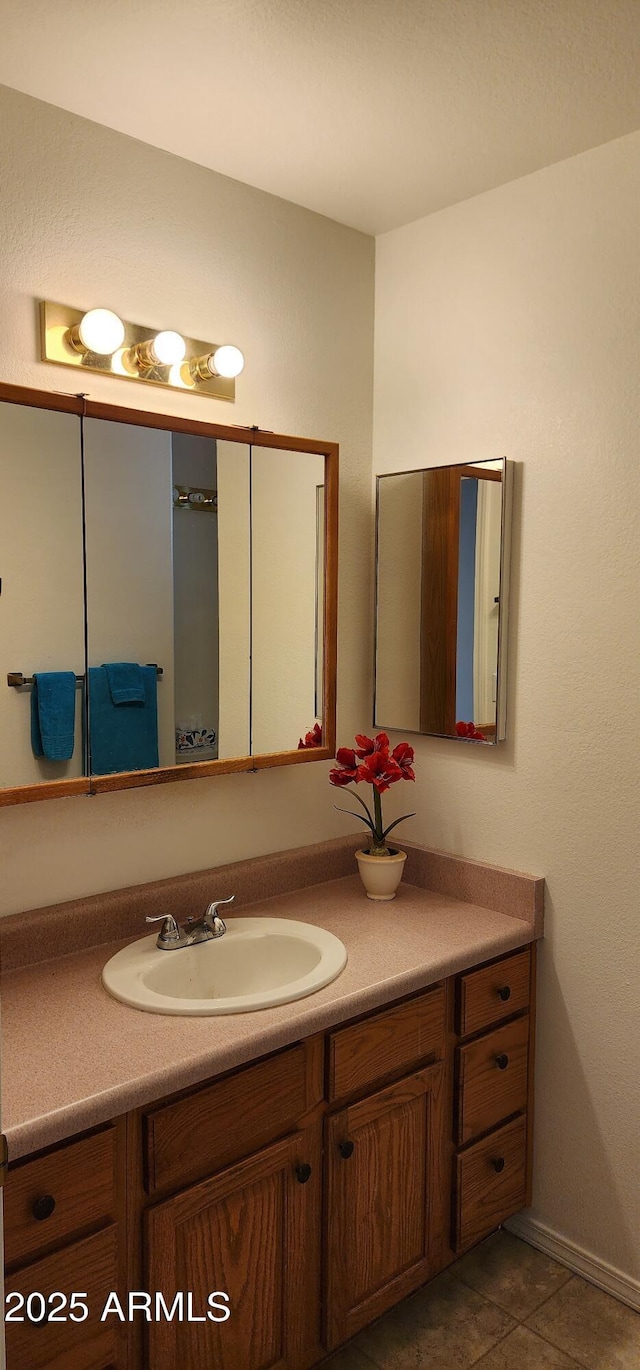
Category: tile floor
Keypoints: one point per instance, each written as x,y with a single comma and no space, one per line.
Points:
504,1306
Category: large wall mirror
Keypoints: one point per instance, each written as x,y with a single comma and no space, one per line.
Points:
167,598
442,540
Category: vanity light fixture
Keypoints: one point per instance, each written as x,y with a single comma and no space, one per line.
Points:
99,331
226,360
166,349
99,340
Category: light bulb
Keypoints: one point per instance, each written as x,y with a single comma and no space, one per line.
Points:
99,331
226,361
168,348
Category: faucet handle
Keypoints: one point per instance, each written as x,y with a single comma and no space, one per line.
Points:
212,918
211,908
169,933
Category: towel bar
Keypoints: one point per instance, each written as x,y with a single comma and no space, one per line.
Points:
16,679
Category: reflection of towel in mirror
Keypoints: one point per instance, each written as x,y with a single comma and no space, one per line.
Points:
126,683
53,714
122,737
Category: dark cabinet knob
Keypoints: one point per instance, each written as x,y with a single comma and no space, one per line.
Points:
502,1061
498,1164
43,1207
39,1319
346,1150
303,1173
505,993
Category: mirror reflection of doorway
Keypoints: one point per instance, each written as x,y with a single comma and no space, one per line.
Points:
462,512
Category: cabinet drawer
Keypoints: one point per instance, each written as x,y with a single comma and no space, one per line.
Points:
88,1267
57,1196
485,996
492,1078
490,1183
218,1125
390,1042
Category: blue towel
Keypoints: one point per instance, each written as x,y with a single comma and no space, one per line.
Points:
125,682
53,714
122,737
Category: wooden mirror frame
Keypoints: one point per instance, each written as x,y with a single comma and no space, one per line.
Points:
125,780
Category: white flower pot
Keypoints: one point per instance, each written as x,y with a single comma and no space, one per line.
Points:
381,875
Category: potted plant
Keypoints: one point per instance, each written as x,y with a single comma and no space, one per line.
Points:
372,761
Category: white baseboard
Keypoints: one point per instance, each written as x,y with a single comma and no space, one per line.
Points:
615,1282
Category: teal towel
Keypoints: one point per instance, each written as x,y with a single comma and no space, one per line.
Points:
122,737
53,714
125,682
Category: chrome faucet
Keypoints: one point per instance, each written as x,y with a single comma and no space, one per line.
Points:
172,937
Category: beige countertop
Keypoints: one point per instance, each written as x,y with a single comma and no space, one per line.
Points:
73,1057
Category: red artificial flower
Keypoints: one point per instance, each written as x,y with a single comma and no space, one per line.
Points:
311,739
347,768
403,755
342,776
372,762
470,730
367,746
380,770
345,756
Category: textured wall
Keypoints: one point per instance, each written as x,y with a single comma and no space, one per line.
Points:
510,325
90,216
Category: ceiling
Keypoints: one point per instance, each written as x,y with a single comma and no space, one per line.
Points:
374,112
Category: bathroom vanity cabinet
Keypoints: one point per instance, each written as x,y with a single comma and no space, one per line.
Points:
315,1188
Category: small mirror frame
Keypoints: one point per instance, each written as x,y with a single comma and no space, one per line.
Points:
125,780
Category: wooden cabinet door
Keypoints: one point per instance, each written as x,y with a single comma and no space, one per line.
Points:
387,1192
252,1232
88,1268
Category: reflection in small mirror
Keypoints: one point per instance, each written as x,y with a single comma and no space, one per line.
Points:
287,519
319,629
41,596
442,556
195,596
167,549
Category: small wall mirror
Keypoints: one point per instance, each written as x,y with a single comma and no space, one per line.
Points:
179,579
443,541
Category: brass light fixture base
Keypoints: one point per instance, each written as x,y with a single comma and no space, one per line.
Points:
59,324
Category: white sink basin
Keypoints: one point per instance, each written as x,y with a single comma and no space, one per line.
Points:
260,962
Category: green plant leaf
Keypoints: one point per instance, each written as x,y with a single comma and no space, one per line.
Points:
356,815
360,801
398,820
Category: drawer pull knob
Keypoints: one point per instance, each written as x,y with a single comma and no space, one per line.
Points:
43,1208
346,1150
498,1164
502,1061
505,993
303,1173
